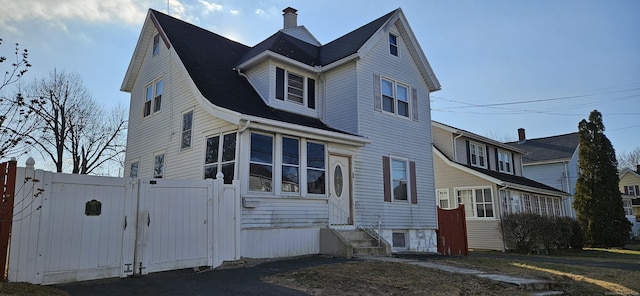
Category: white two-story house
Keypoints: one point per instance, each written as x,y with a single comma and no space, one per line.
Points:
315,136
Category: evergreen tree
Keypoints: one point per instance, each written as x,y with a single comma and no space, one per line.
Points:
598,202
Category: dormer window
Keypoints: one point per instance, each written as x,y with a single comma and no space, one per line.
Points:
504,161
477,155
393,45
295,88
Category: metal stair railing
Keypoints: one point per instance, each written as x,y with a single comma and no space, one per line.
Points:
337,216
372,223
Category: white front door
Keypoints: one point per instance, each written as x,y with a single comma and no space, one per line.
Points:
339,191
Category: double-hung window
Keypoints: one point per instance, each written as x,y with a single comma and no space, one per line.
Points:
478,202
504,161
477,155
443,198
220,156
400,179
628,207
393,45
295,88
290,165
395,97
316,168
187,125
153,96
261,163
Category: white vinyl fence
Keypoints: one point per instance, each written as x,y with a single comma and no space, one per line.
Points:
77,227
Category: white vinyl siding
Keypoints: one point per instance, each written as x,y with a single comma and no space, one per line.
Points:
156,131
385,135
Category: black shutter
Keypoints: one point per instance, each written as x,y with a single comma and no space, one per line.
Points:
414,186
468,153
386,175
637,193
513,164
280,84
626,190
311,93
497,161
486,148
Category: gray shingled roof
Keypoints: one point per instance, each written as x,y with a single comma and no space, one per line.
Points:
548,149
312,55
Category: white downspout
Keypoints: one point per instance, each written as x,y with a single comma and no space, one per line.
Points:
455,148
504,241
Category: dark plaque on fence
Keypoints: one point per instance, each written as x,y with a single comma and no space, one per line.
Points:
93,208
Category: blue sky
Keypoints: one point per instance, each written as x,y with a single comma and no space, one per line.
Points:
540,65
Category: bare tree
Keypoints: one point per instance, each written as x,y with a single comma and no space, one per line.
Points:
71,122
629,160
15,111
96,138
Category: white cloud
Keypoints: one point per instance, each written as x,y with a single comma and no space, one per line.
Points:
210,7
260,12
234,12
57,12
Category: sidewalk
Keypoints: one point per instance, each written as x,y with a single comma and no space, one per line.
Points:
537,287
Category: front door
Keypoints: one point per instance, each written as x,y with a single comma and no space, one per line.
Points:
340,212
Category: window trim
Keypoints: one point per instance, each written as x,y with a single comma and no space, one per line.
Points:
396,101
505,166
190,131
474,156
408,180
473,200
155,50
308,88
219,162
396,38
152,104
445,190
163,165
137,165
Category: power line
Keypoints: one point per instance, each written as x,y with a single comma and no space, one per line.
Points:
470,105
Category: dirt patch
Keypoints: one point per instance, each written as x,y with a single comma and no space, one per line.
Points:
384,278
26,289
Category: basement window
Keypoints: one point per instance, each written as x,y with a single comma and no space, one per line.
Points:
399,240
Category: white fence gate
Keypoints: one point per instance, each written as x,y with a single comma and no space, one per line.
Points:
77,227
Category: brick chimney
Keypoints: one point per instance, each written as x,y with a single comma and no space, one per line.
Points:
521,136
290,17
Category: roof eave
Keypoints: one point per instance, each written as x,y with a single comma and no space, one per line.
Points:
267,54
476,137
275,126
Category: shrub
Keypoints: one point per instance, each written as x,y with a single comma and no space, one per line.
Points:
526,231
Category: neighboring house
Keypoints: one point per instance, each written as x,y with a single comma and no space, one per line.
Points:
552,161
314,136
630,189
486,176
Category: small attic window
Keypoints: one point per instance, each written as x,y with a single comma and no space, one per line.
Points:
156,44
393,44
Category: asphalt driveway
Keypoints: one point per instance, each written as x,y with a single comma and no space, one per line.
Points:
234,281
